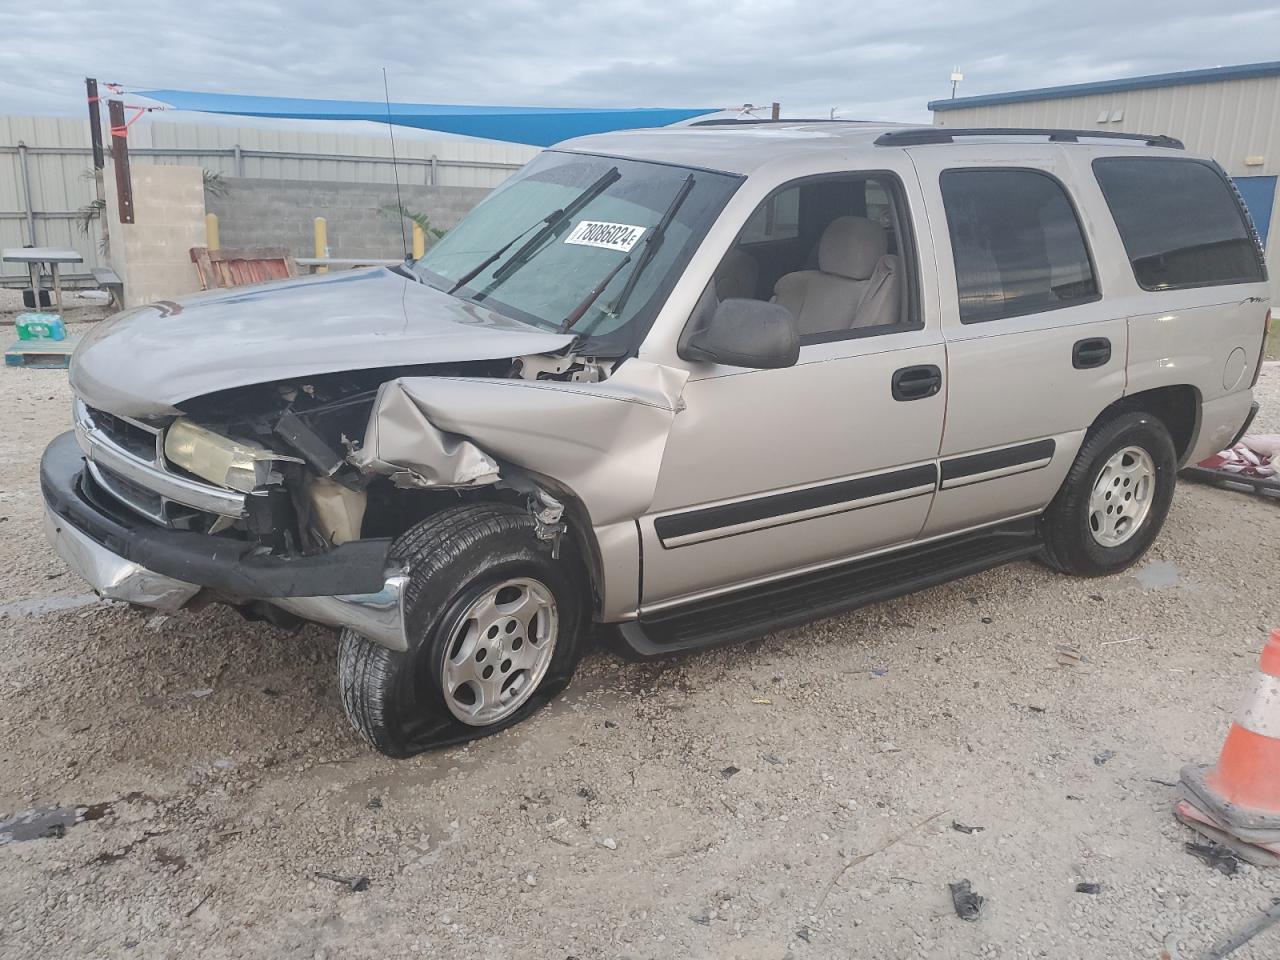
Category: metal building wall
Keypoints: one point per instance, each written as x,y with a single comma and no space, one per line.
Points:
58,164
1231,121
57,185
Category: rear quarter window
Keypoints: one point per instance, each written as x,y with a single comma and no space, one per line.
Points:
1181,222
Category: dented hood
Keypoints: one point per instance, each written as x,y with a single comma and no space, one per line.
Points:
145,361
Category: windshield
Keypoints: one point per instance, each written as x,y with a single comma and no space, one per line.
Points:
544,242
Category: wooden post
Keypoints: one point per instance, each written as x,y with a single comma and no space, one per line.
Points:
419,241
322,241
211,238
99,159
776,111
120,158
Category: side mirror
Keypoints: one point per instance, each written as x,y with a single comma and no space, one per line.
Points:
744,333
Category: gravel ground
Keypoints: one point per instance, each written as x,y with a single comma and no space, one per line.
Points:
791,797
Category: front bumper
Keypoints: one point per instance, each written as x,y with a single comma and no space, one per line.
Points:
124,557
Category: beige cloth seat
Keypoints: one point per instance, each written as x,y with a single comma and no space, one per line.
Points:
857,283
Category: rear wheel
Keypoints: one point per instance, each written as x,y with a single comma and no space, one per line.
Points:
1115,498
493,623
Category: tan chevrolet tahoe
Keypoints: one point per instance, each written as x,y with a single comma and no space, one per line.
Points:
674,388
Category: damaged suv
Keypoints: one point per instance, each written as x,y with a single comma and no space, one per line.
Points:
683,386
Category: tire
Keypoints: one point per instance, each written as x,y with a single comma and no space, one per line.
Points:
471,561
1083,540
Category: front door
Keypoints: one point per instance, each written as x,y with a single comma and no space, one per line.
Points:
770,472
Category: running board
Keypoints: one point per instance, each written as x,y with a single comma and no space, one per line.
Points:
763,609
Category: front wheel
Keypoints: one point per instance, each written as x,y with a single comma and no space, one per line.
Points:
1114,500
494,624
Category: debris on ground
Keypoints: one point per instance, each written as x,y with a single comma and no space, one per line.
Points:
609,843
1245,934
1099,759
355,884
1214,855
967,904
861,858
959,827
1086,887
1070,655
728,772
1252,464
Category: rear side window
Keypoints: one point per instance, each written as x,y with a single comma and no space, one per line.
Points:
1180,221
1017,244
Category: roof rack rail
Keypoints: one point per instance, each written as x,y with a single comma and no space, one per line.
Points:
923,135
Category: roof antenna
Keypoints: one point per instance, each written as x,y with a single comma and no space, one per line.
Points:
395,168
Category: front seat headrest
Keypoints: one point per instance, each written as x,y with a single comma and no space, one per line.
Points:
851,247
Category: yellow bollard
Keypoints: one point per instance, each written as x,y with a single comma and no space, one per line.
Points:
419,241
322,241
211,231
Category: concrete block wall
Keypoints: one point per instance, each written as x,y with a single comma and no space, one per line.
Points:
360,217
152,255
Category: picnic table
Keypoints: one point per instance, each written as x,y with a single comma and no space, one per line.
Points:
33,257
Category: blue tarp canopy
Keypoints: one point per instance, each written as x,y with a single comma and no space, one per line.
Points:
536,126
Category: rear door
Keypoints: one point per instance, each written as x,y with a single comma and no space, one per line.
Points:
1034,352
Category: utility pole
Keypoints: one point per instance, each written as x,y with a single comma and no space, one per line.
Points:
776,112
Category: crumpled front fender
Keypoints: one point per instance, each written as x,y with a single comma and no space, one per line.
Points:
603,441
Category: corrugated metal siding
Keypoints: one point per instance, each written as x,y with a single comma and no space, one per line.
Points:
1227,121
58,189
59,186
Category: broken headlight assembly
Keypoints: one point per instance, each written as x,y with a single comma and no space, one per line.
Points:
239,464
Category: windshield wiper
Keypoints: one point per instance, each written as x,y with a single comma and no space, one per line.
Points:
651,244
484,264
549,225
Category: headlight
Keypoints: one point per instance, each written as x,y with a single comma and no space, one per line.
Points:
239,464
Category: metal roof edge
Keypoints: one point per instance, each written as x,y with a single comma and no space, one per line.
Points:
1243,71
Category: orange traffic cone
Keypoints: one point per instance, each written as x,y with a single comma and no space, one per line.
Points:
1237,801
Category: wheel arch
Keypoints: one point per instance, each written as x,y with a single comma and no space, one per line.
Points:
1177,406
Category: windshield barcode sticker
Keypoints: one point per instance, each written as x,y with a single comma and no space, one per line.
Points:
611,236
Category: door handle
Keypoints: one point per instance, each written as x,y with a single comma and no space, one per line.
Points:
1091,352
916,383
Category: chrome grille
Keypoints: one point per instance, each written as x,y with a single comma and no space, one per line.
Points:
144,501
142,441
126,460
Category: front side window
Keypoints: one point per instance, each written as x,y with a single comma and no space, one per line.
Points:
834,250
1017,245
580,243
778,218
1180,222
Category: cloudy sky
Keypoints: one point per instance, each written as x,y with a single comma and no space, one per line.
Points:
877,59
